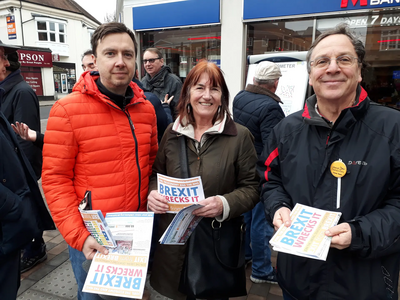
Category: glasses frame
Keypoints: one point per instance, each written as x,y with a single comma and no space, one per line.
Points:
151,60
337,61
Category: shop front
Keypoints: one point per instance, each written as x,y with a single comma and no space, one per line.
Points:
36,63
190,35
270,28
64,77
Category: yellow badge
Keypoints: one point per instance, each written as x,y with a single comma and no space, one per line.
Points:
338,169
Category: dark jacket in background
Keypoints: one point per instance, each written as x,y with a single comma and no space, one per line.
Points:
21,104
258,109
23,214
163,112
165,82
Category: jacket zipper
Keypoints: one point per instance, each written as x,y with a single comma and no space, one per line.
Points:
136,148
136,154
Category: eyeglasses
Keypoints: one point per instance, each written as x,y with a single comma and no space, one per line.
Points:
4,57
151,60
342,61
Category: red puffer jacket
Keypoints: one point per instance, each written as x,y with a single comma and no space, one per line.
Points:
91,144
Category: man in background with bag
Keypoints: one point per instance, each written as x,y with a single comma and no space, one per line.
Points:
101,138
257,107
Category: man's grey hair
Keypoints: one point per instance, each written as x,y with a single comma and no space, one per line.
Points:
342,28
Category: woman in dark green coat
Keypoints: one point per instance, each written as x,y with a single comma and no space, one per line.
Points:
218,150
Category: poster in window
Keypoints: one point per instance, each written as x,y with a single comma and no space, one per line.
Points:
11,30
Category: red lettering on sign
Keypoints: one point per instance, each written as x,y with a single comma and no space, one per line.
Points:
345,2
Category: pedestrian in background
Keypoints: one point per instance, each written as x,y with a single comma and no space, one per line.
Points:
257,107
20,103
160,80
23,214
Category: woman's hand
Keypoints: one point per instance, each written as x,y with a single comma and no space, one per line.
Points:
24,132
213,207
157,203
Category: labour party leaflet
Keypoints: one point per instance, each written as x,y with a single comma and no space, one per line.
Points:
180,193
306,235
123,271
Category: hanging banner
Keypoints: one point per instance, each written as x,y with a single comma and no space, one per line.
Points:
11,30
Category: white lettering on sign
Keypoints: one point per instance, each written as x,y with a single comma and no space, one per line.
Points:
31,57
378,2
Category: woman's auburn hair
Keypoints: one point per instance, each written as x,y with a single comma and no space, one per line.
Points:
216,80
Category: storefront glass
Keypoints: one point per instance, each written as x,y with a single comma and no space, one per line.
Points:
267,37
380,33
183,48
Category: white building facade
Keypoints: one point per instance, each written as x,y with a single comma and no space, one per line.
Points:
52,36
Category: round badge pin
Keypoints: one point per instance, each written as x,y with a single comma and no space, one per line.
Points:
338,169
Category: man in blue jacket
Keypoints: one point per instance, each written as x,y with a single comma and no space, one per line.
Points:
23,214
340,128
257,107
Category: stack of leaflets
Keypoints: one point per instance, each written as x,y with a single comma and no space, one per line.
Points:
306,235
123,271
182,196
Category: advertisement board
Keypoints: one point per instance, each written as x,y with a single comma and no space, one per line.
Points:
293,85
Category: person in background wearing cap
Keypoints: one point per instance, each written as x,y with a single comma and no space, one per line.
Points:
20,103
23,214
257,107
340,153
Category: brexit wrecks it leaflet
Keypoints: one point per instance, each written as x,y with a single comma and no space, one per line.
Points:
306,235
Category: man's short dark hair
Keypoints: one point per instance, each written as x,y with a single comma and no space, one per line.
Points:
342,28
108,28
87,52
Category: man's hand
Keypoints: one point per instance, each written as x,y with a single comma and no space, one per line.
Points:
213,207
167,100
91,246
24,131
341,236
282,216
157,203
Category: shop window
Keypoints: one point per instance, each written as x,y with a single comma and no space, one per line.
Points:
381,37
51,31
183,48
267,37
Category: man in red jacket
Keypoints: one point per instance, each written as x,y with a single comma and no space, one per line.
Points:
101,138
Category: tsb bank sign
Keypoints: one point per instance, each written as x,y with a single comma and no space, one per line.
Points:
365,2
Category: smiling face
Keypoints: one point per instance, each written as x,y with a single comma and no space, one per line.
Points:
335,83
3,64
152,68
116,61
205,100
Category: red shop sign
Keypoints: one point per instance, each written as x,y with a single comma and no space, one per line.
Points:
39,59
34,79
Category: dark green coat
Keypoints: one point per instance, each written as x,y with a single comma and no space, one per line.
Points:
227,166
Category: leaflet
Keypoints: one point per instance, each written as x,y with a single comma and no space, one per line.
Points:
181,226
180,193
123,271
306,236
98,228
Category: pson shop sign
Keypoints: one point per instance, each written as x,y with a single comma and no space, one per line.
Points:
29,58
